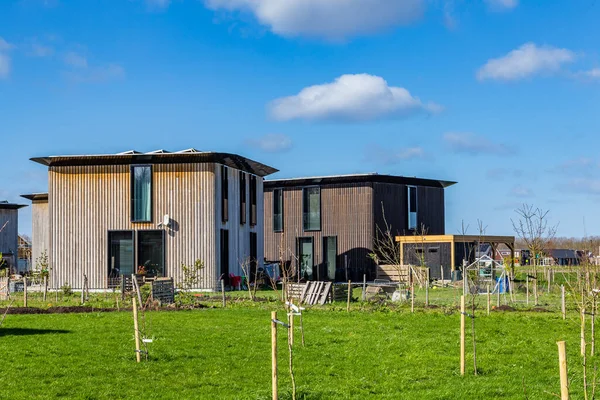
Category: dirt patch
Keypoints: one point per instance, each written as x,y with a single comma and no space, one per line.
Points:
504,308
539,309
85,309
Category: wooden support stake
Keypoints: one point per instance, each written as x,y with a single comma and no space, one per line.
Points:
25,291
527,288
427,289
549,279
498,295
442,274
563,306
273,354
82,289
535,290
291,328
223,293
364,288
412,297
136,332
302,327
562,364
489,299
45,287
593,333
349,295
462,335
582,332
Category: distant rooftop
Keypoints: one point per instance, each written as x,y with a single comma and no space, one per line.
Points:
5,205
160,156
357,178
36,196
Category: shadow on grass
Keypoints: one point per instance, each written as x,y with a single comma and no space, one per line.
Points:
29,331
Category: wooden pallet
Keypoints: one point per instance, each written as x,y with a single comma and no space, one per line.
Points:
315,292
163,290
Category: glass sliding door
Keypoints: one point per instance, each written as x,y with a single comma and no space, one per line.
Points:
120,253
330,256
141,193
151,253
306,258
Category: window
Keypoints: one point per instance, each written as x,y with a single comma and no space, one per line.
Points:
306,257
225,255
253,210
330,256
224,194
311,205
253,254
120,254
141,193
278,210
150,252
242,198
412,207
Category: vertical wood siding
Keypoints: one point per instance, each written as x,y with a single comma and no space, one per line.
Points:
85,202
40,235
239,234
346,212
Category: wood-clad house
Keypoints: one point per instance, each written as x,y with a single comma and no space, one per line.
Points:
9,232
113,215
325,226
40,235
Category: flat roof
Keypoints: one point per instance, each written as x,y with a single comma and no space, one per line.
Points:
357,178
5,205
159,157
36,196
454,238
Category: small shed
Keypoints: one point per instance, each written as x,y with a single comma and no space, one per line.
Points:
447,252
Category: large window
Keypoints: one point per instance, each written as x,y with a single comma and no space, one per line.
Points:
253,195
311,205
306,257
120,253
141,193
243,201
224,194
278,210
224,245
151,254
412,207
330,257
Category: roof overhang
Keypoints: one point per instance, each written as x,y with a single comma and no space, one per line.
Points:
455,238
357,178
36,196
128,158
11,206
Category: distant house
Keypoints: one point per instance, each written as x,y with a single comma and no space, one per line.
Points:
9,233
565,256
24,253
324,227
118,214
40,235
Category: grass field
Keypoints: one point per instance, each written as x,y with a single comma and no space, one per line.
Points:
225,353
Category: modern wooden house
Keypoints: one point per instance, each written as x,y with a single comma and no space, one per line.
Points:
447,252
324,227
40,235
110,215
9,233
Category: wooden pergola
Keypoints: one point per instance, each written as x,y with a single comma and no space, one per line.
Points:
493,241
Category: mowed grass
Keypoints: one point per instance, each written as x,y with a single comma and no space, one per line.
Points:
225,354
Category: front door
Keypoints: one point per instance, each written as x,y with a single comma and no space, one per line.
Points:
306,258
121,257
151,253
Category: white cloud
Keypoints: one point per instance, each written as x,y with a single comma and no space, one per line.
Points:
591,74
502,5
469,143
584,185
521,191
358,97
387,156
40,50
527,60
97,74
329,19
75,60
271,143
5,61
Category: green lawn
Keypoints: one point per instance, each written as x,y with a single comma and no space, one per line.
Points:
225,353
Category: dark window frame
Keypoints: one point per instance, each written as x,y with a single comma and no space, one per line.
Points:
281,206
299,252
132,191
224,194
243,196
253,200
337,256
304,210
108,248
410,205
136,248
224,255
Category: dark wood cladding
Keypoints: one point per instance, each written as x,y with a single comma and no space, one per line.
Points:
346,212
391,201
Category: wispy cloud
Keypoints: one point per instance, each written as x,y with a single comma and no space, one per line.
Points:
584,185
358,97
331,20
521,191
387,156
96,74
469,143
5,60
500,174
75,60
502,5
526,61
271,143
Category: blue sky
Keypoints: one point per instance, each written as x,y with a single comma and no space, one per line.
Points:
499,95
